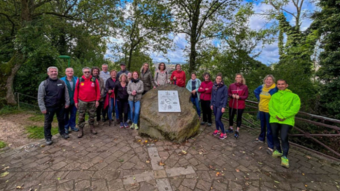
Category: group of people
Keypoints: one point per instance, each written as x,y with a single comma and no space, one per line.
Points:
115,96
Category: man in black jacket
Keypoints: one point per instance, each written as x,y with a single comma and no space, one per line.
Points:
53,97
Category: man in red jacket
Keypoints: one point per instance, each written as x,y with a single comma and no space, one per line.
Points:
86,98
178,76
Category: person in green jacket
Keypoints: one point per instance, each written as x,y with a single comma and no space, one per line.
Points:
283,106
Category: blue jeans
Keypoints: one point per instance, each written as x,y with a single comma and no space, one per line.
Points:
112,109
70,117
218,118
117,111
134,111
264,118
197,105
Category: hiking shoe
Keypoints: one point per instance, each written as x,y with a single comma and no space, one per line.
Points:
237,134
202,123
49,141
258,141
270,151
65,136
66,131
216,132
223,136
136,127
276,154
126,125
284,162
75,129
121,125
230,131
132,126
209,124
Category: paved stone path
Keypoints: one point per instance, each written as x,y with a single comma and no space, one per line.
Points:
118,159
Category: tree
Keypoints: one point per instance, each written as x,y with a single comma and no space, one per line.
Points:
201,20
145,26
28,34
326,24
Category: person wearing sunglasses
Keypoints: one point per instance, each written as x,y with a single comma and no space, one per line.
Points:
86,99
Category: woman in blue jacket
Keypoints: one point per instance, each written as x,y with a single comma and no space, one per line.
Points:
219,100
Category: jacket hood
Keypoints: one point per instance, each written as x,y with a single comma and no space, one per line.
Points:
271,87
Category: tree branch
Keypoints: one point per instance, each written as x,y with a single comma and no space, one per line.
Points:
10,20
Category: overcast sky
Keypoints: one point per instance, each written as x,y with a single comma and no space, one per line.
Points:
269,53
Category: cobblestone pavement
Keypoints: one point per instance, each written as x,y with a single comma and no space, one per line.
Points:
118,159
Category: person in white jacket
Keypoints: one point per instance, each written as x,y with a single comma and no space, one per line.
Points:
193,84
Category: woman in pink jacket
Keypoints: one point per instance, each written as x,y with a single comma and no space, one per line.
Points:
205,90
238,93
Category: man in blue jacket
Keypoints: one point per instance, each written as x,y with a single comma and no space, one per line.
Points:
71,111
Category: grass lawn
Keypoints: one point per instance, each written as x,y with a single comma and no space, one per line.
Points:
35,132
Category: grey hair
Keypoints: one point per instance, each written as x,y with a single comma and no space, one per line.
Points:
85,68
69,68
268,76
51,67
105,65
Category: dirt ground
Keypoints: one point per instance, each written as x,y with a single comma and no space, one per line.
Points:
12,129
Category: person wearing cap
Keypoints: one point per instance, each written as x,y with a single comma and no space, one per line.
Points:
122,70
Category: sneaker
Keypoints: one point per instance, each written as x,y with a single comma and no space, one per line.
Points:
276,154
126,125
66,131
132,126
284,162
121,125
223,136
136,127
49,141
258,141
65,136
216,132
202,123
237,134
270,151
209,124
75,129
230,131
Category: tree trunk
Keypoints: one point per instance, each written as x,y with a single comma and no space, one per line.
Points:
8,73
130,59
192,61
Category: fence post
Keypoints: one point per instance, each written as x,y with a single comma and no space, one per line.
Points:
18,101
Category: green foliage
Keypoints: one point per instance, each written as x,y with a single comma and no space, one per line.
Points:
2,144
35,132
8,109
326,24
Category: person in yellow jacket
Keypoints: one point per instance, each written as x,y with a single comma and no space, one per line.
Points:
283,106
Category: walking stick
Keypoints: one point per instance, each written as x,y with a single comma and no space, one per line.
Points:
236,135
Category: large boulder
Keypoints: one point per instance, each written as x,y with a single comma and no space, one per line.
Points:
176,127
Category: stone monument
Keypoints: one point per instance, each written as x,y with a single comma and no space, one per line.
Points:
173,126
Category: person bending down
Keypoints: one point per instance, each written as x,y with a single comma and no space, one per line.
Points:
283,106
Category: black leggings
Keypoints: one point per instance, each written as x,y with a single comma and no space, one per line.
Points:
206,110
232,112
123,106
284,130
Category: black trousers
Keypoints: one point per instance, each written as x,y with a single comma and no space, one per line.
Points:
59,111
232,113
206,111
123,108
283,130
100,111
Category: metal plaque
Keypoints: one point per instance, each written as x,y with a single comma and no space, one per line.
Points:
168,101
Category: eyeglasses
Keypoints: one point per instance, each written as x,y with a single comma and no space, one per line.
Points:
86,72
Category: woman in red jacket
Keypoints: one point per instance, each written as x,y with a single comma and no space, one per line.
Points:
238,93
205,90
178,76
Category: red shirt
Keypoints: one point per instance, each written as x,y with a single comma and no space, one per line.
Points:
88,90
205,94
180,78
242,91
